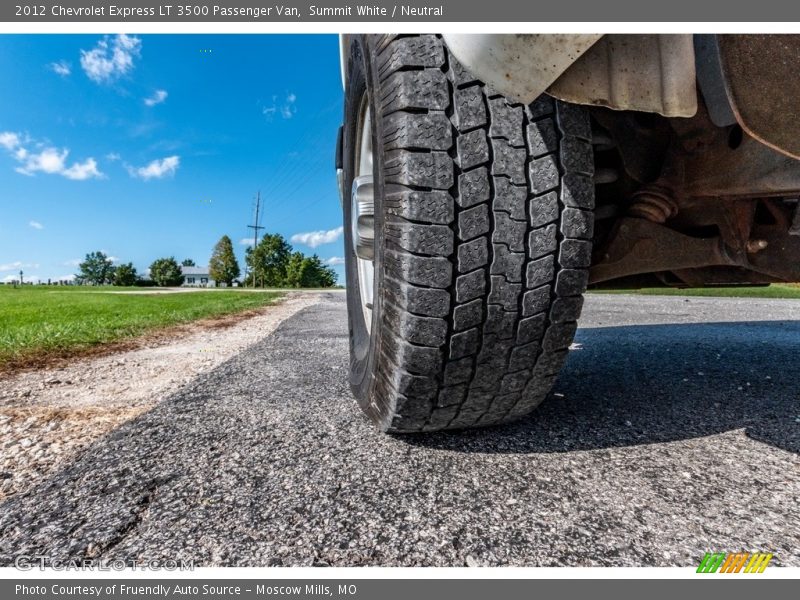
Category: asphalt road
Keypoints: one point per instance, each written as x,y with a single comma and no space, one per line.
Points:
674,430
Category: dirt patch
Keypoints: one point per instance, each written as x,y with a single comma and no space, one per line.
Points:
51,413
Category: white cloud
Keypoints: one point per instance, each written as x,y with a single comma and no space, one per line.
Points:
334,261
157,169
9,140
36,224
112,156
246,241
111,58
312,239
285,108
72,262
62,68
157,98
46,159
17,265
85,170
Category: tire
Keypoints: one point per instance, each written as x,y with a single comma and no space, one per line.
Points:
483,227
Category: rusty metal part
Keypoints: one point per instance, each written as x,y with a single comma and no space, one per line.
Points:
654,203
639,247
760,73
521,66
651,73
750,170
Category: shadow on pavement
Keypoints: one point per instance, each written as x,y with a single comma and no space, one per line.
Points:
644,384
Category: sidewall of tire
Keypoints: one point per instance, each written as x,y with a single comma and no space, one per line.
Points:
363,346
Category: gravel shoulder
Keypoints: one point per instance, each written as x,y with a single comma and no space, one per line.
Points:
47,416
673,431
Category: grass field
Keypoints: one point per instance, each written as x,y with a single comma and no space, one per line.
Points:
771,291
41,321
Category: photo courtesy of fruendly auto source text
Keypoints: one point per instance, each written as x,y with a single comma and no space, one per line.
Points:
365,300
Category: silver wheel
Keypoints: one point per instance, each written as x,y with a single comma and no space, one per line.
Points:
362,204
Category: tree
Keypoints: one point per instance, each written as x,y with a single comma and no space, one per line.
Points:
96,269
315,273
166,272
188,262
223,267
268,261
295,269
125,275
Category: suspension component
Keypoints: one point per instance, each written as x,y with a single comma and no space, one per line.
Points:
653,203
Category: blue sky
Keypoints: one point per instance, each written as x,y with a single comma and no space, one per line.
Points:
145,146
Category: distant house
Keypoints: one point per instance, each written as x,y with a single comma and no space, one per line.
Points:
197,277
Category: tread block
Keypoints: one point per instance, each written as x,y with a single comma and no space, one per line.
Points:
423,331
509,161
473,187
470,286
542,106
412,130
506,263
435,206
506,121
464,343
575,254
452,395
509,232
577,223
470,111
414,90
531,329
539,272
571,282
431,271
536,301
559,336
542,138
542,241
422,51
577,190
523,357
433,240
458,371
504,293
417,360
423,301
473,255
514,382
577,156
440,418
425,169
413,387
478,401
544,209
473,149
566,309
499,322
574,121
510,198
473,222
468,315
544,174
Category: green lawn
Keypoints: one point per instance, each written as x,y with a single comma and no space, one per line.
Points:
771,291
39,321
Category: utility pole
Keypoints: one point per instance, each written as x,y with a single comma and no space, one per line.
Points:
256,228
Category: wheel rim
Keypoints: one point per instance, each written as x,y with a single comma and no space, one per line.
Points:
362,212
